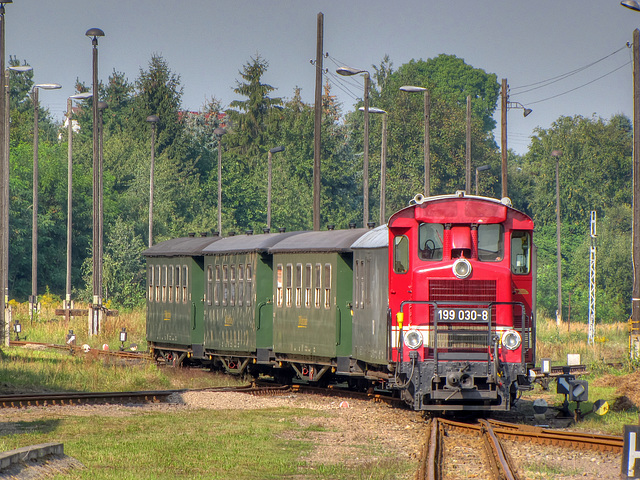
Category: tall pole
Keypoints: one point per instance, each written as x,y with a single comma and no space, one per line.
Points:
219,132
4,195
468,150
383,172
269,190
365,160
557,154
33,301
427,144
69,199
317,130
153,120
503,136
95,314
635,297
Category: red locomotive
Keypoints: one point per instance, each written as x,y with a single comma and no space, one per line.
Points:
462,300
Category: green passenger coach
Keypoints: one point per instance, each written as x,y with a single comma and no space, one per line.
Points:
312,284
175,290
238,300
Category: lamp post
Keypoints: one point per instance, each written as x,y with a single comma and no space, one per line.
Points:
635,249
94,314
557,154
383,162
349,71
219,132
4,193
271,152
33,301
79,96
427,143
480,169
506,104
153,120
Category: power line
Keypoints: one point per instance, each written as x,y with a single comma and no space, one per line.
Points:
552,80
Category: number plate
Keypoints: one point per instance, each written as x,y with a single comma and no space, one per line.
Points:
462,314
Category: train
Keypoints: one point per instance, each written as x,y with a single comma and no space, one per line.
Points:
436,306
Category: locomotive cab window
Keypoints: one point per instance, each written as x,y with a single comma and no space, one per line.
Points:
430,241
401,254
520,252
490,243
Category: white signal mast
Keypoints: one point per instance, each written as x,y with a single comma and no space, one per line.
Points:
592,280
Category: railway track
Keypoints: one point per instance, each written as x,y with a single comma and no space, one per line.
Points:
74,349
486,454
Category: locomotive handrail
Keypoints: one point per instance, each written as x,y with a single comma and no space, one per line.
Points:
464,303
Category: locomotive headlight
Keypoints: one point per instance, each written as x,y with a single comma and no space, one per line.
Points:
462,268
511,339
413,339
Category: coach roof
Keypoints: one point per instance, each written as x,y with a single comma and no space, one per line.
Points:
248,243
180,247
324,241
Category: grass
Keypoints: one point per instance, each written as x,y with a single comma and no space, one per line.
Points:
252,444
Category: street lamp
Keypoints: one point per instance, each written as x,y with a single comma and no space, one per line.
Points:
219,132
5,189
4,193
153,120
427,144
557,154
33,301
383,163
480,169
79,96
349,71
94,322
271,152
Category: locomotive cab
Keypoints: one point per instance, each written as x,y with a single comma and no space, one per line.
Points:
461,290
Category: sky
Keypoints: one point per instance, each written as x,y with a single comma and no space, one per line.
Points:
560,57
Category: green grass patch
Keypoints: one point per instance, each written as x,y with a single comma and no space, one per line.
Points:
238,444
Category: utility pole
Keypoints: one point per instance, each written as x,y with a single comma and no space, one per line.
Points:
468,152
635,296
317,131
592,280
503,147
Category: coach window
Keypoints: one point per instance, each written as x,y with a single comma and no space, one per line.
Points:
225,285
288,280
357,284
400,254
209,284
318,285
366,291
327,285
430,241
216,287
178,284
298,285
279,273
490,242
240,284
150,283
307,285
171,270
157,283
232,271
520,252
185,284
249,290
164,283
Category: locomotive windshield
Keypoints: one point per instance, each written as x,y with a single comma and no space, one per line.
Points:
430,241
490,243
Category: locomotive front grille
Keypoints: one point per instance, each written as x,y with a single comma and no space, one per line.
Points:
482,291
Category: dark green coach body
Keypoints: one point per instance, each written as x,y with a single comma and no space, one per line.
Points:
175,289
238,314
312,284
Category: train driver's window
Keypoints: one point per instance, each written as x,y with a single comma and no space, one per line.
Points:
520,252
490,242
430,241
401,254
